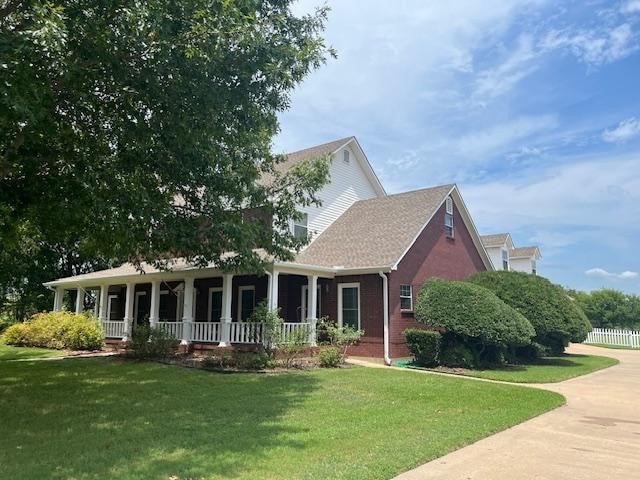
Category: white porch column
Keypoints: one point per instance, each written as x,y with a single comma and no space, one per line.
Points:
80,300
312,311
155,304
104,300
128,311
57,299
187,311
225,320
274,282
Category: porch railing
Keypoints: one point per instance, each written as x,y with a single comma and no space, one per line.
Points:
113,328
239,332
205,331
173,328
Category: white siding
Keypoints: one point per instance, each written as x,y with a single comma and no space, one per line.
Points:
495,254
521,265
348,183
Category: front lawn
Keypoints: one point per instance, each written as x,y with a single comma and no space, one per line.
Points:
8,352
547,370
107,418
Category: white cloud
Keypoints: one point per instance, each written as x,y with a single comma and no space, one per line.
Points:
632,6
625,130
594,47
600,272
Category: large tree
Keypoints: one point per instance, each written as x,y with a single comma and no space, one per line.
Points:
144,128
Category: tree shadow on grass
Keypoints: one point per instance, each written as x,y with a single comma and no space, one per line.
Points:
564,360
102,418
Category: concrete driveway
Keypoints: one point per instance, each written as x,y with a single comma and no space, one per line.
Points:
595,436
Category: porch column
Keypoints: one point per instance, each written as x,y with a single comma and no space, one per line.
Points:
57,299
104,299
312,313
274,281
80,300
187,311
128,311
225,320
155,304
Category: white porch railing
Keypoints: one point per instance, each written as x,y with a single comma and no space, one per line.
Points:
610,336
113,328
173,328
205,331
245,332
291,331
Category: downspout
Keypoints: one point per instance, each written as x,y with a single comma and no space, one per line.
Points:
385,308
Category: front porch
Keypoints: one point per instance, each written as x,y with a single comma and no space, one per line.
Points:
202,307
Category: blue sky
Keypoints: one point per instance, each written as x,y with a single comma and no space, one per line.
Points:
532,107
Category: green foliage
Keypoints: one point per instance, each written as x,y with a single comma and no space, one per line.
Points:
608,308
457,355
58,330
473,314
330,357
237,360
271,327
424,345
147,342
5,321
339,337
292,347
556,318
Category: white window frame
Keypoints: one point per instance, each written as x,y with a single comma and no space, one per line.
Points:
209,302
241,289
410,297
505,258
342,286
449,205
110,298
297,223
346,156
452,226
303,302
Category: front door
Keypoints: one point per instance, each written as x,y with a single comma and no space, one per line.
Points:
142,309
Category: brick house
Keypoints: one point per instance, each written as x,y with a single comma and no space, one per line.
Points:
368,255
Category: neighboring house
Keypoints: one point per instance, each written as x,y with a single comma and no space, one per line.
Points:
504,256
370,253
498,246
525,259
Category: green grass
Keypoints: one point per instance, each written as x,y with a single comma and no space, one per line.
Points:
108,418
547,370
8,352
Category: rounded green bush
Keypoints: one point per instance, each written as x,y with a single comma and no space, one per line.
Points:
556,318
472,313
58,330
424,345
457,355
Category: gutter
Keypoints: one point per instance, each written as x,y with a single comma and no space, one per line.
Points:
385,308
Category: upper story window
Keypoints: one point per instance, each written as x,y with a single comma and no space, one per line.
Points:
448,217
406,298
346,156
449,205
505,259
533,267
300,227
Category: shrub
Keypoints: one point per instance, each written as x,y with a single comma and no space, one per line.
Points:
456,355
147,342
5,321
473,314
271,327
330,357
556,318
238,360
340,337
424,345
293,346
58,330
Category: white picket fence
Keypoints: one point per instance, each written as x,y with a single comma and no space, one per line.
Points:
615,337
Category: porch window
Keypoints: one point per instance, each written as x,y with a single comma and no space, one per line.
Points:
112,307
349,305
163,310
246,302
215,304
406,298
300,228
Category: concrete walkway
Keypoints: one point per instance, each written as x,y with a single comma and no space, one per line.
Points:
595,436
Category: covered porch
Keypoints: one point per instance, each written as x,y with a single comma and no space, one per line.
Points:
201,306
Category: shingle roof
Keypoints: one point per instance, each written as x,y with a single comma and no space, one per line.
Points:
524,252
375,232
496,240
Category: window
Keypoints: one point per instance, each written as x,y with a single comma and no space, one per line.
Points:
300,229
505,259
112,307
448,225
163,310
246,302
214,312
449,205
349,305
345,156
533,267
406,298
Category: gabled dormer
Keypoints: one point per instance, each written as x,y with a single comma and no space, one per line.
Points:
498,247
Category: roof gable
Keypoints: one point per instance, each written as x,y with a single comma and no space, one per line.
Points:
525,252
497,240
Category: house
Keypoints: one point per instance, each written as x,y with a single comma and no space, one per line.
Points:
504,256
370,252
